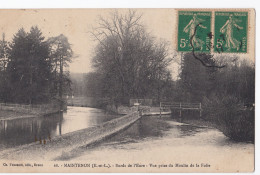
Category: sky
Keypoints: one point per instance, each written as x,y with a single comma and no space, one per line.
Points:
77,23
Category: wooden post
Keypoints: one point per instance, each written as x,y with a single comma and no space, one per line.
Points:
61,83
4,127
60,121
180,109
200,109
160,109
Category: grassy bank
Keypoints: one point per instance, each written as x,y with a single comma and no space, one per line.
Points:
7,115
200,123
234,122
234,118
238,125
11,111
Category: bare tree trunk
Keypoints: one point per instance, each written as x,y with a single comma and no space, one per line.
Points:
159,88
30,98
61,83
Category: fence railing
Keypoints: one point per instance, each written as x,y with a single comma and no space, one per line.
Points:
145,102
180,106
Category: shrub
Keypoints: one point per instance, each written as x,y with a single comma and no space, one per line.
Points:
234,119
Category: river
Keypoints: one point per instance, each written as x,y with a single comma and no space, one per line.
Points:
162,140
149,140
26,130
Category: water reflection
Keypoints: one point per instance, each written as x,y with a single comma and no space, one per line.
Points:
151,139
28,130
152,127
188,130
42,129
145,128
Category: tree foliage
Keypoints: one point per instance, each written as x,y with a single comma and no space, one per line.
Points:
60,55
128,61
29,68
227,94
4,58
197,81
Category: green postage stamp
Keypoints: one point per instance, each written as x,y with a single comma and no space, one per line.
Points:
229,34
194,31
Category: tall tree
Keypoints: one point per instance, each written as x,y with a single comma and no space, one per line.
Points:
128,59
60,54
197,80
29,68
4,58
4,53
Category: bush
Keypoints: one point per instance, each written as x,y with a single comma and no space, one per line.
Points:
231,117
238,125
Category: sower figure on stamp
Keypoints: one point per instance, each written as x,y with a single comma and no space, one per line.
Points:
191,28
227,30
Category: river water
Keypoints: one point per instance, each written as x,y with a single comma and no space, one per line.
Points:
149,140
163,140
27,130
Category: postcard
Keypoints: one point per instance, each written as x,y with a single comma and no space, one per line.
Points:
127,90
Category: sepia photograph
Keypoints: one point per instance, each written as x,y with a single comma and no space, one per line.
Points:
127,90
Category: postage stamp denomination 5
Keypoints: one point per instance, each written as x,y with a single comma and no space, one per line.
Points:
194,31
231,32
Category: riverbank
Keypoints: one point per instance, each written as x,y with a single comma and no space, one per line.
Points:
11,115
64,145
16,111
200,123
240,128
